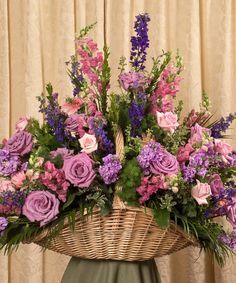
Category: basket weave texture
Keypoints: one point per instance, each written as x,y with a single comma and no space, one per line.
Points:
127,233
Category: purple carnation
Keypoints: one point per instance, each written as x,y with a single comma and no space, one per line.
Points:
63,152
132,80
110,169
9,164
3,223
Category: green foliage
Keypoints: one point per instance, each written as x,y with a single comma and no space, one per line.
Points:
106,74
129,181
162,216
159,65
83,32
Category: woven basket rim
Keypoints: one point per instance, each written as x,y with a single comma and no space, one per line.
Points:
148,211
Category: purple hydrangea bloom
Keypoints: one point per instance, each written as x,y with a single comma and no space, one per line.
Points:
9,164
110,169
3,223
140,42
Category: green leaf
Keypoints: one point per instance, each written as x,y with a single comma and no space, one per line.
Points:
69,201
162,217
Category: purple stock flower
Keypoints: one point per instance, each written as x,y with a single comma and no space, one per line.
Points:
11,202
3,224
154,159
221,126
110,169
228,239
140,42
9,164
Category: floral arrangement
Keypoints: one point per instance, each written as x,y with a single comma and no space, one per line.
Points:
177,166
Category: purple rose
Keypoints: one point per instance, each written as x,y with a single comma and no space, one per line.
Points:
20,143
41,206
216,184
3,224
79,170
231,213
166,163
75,121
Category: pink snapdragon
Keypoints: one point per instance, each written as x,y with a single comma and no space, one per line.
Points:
149,186
91,61
54,179
169,82
184,152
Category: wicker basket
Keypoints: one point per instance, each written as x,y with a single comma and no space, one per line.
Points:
128,233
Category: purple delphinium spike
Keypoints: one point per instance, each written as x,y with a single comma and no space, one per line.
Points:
140,42
221,126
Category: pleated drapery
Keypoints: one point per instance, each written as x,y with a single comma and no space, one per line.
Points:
36,39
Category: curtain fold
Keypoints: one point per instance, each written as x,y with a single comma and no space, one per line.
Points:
37,38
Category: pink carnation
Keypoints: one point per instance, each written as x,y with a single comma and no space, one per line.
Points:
6,185
72,106
184,152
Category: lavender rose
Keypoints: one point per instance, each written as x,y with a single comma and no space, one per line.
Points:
20,143
41,206
216,184
79,170
166,163
63,152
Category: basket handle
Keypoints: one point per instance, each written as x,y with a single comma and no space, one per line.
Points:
119,141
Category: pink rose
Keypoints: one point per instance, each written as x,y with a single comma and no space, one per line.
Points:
21,124
6,185
216,184
41,206
197,134
20,143
79,170
88,143
184,152
72,106
167,121
224,149
201,192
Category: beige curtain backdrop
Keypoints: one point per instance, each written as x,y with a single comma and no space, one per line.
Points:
36,38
